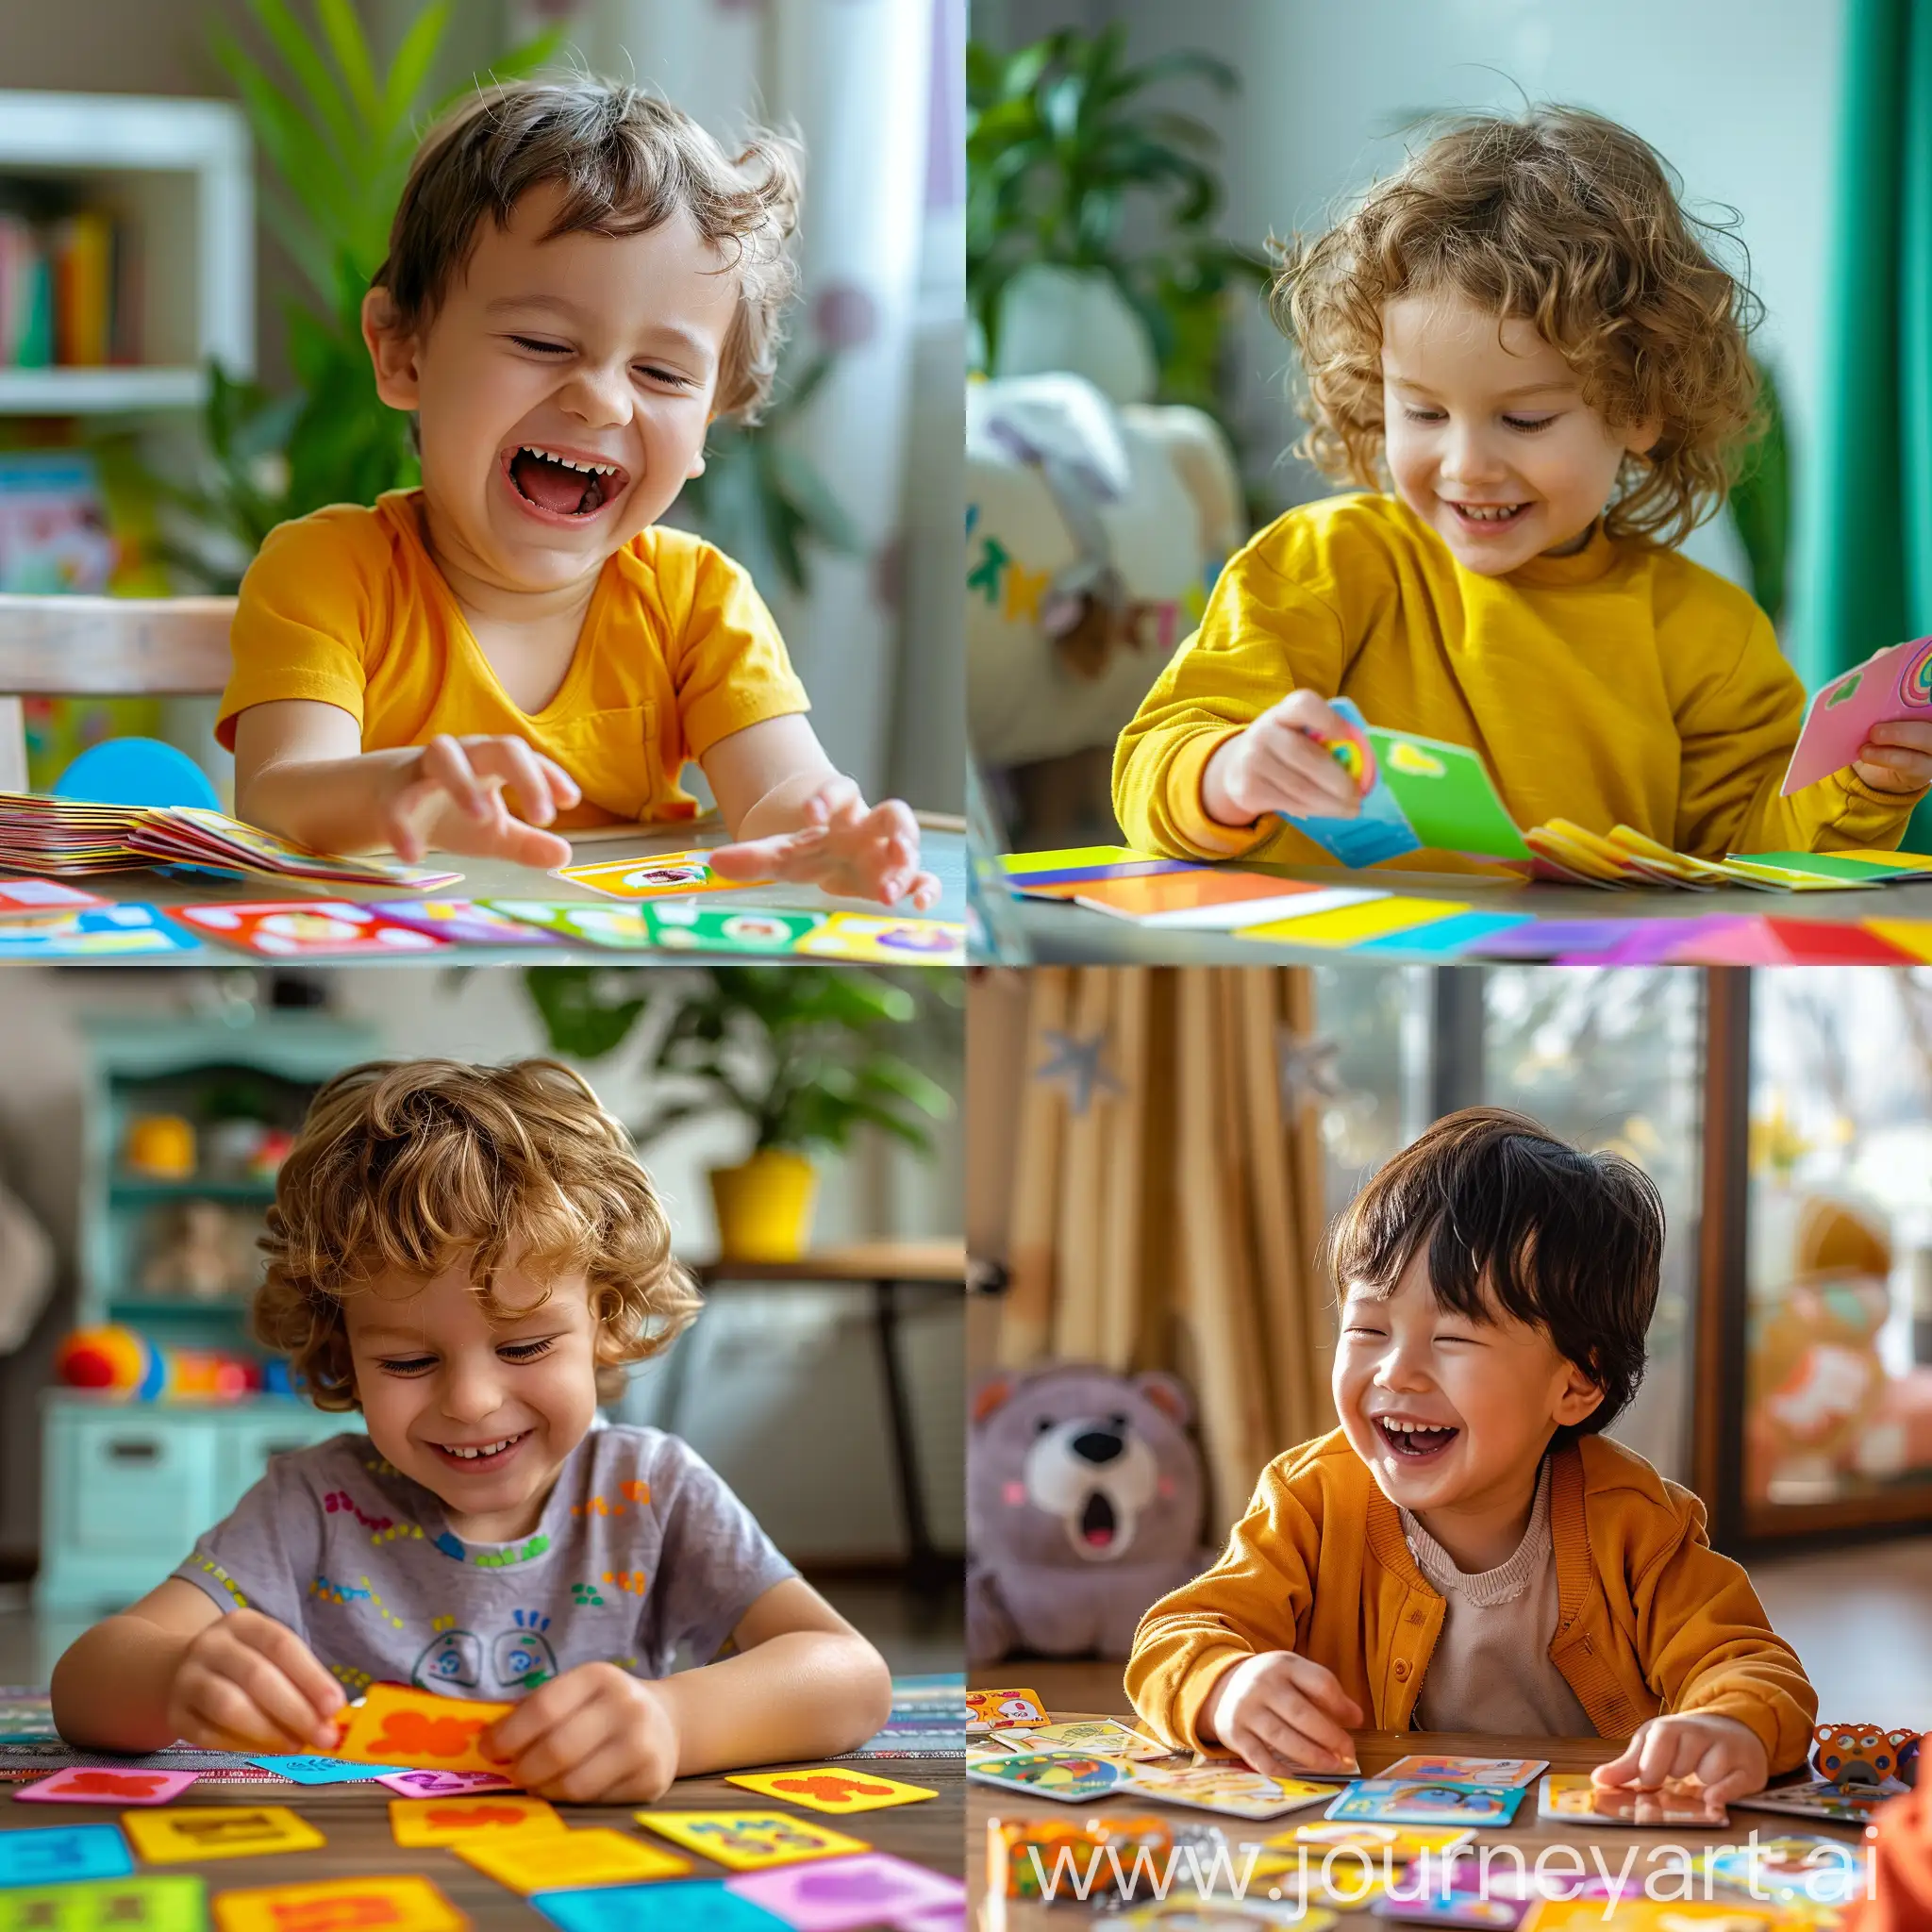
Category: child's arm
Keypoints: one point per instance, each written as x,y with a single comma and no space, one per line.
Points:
300,772
792,816
802,1684
176,1665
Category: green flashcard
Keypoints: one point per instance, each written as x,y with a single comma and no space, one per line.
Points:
1831,865
622,926
170,1904
1446,795
680,926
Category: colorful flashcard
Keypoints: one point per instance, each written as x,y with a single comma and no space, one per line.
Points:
1215,901
110,932
841,1894
1796,1870
1329,1774
1446,939
1435,1907
1066,1780
442,1784
1029,872
1447,795
1648,1915
1399,1844
57,1853
307,1769
1493,1771
1890,685
165,1902
339,1904
1815,1798
219,1831
657,876
1084,1737
42,902
624,929
528,1862
1003,1710
397,1725
881,940
82,1784
1412,1801
465,923
314,928
1378,830
750,1841
1353,925
449,1821
1569,1798
1183,1912
829,1788
1546,938
1230,1789
680,926
691,1905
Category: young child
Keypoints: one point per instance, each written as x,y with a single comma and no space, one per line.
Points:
580,282
1468,1552
469,1256
1522,353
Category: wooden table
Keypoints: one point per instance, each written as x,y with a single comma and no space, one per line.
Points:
942,847
881,1266
1094,1690
355,1820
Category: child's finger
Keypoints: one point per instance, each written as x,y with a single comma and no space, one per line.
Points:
1659,1758
447,764
1300,778
926,892
1291,1746
530,845
1314,1726
1324,1688
564,790
1622,1769
295,1664
764,859
515,765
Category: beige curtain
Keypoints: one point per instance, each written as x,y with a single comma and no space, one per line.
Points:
1160,1201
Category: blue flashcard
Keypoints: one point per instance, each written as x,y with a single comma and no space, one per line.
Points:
1446,937
103,932
695,1904
1379,831
324,1770
51,1855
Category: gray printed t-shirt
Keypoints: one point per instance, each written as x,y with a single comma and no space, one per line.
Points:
642,1549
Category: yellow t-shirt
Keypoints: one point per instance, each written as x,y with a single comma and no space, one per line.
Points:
676,651
1619,686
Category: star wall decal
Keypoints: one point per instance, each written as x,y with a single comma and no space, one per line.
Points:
1077,1064
1310,1070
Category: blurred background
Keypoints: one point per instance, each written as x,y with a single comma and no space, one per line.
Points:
193,193
1128,163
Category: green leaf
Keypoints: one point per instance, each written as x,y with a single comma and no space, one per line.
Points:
408,73
577,1022
350,46
326,102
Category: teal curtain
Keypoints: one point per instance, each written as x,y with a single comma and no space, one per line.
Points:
1869,482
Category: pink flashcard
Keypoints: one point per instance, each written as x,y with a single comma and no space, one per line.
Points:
1890,685
94,1784
443,1784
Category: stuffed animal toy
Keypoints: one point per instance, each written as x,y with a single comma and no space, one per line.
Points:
1862,1755
1083,1506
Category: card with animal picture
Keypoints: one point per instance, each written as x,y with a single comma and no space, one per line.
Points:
465,922
659,874
872,1889
528,1862
1493,1771
681,928
442,1784
81,1783
1066,1780
306,1768
1801,1869
1003,1710
1084,1737
750,1841
1566,1797
881,940
1817,1798
101,932
1418,1801
219,1831
831,1788
623,928
336,1905
396,1723
1648,1915
414,1822
158,1902
302,929
42,902
1330,1774
1237,1792
58,1854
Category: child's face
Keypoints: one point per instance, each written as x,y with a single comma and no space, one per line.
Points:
436,1378
1488,439
1484,1398
602,349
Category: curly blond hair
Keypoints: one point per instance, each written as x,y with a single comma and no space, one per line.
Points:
408,1166
1567,221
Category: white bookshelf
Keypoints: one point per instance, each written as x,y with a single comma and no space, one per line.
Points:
178,173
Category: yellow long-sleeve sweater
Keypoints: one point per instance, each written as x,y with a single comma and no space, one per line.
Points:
1619,686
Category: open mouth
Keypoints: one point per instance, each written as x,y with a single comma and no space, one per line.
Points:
1415,1441
1487,516
479,1456
1098,1522
563,486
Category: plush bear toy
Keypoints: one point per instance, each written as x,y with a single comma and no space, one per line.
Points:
1083,1505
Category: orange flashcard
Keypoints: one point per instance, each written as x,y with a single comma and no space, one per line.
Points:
218,1831
396,1725
339,1904
444,1820
1001,1710
827,1788
528,1862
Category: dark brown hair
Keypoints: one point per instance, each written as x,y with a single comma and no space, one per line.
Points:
406,1166
1520,1223
626,162
1567,221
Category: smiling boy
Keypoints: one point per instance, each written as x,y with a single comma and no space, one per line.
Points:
470,1255
1468,1552
579,283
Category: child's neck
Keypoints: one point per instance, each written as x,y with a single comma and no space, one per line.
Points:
501,1525
1484,1530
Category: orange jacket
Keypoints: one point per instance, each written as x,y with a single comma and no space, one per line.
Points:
1650,1618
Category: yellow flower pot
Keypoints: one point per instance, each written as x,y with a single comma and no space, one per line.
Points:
764,1206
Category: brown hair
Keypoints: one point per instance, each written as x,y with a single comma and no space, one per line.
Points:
1517,1220
1565,220
626,162
406,1166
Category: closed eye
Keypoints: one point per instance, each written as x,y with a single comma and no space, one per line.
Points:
526,1351
1425,415
1529,425
539,348
407,1365
670,377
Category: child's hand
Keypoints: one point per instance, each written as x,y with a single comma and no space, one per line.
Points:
1276,765
593,1736
1283,1712
502,792
844,848
1721,1754
1896,757
248,1683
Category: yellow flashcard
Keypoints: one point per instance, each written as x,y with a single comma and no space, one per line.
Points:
339,1904
396,1725
218,1831
1913,935
882,939
528,1862
830,1789
1648,1915
749,1841
443,1821
1349,926
1401,1841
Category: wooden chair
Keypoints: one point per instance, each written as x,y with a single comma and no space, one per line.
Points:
100,647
